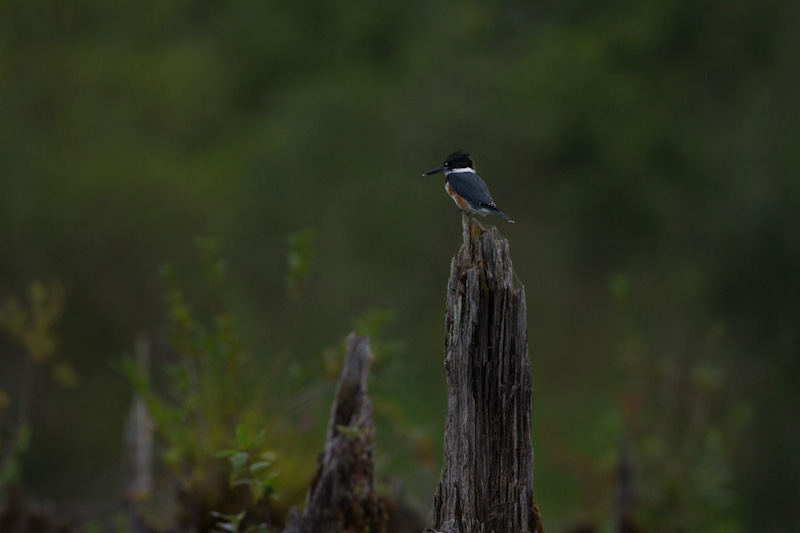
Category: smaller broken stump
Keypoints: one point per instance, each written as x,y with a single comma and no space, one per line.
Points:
341,497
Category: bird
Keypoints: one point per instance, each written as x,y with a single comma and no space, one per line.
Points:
465,187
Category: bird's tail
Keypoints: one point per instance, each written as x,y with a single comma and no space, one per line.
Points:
502,215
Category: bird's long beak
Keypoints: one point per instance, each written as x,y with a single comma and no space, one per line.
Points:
435,170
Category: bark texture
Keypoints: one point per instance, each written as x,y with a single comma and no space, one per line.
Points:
487,480
341,496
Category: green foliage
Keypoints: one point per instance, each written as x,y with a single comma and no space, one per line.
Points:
34,328
11,468
232,523
197,413
249,466
220,413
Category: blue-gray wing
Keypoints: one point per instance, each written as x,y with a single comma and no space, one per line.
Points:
471,187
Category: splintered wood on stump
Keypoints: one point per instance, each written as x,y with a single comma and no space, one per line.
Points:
487,480
341,497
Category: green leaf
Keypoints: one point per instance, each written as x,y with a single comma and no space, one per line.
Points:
261,465
226,453
239,460
256,490
242,437
259,438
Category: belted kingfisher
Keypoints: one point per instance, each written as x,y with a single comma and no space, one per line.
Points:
465,187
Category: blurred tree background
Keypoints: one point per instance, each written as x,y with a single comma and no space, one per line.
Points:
649,152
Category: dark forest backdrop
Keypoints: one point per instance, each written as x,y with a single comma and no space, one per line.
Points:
648,151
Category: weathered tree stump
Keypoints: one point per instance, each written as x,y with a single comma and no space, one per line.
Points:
341,496
487,480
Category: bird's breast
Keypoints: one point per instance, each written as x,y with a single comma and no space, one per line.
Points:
457,198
